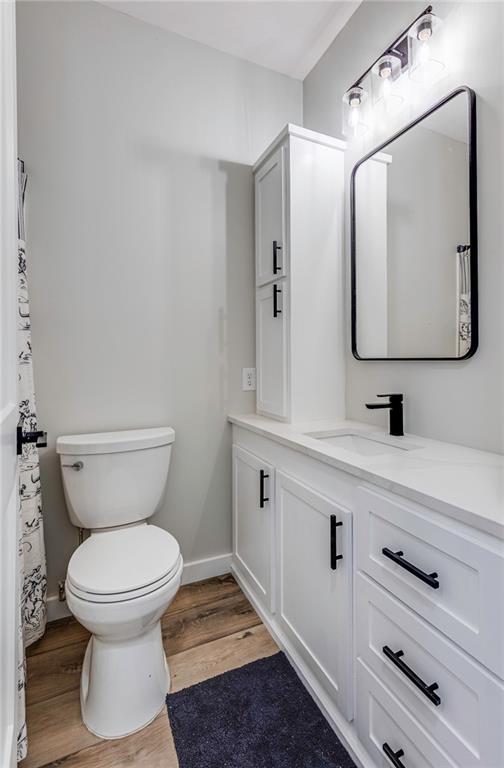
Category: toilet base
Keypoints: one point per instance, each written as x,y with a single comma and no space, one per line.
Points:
123,683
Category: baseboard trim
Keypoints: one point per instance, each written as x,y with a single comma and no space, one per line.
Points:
197,570
56,608
344,730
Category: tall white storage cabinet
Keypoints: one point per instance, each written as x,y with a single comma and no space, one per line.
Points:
299,277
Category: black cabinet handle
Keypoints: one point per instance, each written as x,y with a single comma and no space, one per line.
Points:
276,248
427,690
262,497
334,556
394,756
276,291
398,557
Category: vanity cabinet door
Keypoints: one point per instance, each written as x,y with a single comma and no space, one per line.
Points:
315,584
270,219
253,508
272,309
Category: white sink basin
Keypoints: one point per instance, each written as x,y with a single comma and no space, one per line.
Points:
365,444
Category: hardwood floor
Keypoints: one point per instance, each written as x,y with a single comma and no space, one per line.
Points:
209,628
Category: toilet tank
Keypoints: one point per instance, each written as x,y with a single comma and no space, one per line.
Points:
114,478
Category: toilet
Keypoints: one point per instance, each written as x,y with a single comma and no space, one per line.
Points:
124,576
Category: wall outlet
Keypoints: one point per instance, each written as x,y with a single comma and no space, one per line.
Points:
248,379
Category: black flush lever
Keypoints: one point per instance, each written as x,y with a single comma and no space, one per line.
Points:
38,437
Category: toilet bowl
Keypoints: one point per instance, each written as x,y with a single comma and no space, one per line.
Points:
123,577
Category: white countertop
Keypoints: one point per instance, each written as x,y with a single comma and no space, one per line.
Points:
460,482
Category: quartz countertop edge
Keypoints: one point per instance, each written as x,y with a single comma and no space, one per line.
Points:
462,483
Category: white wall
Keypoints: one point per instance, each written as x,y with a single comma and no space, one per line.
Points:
455,401
138,145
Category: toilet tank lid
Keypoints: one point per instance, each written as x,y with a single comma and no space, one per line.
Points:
115,442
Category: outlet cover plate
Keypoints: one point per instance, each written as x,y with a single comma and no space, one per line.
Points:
248,379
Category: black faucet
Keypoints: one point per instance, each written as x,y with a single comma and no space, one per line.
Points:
395,404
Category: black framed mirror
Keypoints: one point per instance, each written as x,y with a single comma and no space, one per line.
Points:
414,241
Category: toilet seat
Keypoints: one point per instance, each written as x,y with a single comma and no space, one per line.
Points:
123,564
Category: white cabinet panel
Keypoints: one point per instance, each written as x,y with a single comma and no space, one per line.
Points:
298,243
383,725
253,521
272,309
466,717
315,593
270,219
463,599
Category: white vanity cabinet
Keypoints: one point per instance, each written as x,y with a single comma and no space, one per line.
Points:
294,559
429,635
299,315
253,521
314,559
271,213
272,310
400,642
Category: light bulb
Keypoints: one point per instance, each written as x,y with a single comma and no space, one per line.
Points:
424,31
385,70
424,53
353,102
386,88
353,117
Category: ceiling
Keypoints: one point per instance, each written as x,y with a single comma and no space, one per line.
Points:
288,37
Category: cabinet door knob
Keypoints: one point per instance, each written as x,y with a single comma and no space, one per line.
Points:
334,556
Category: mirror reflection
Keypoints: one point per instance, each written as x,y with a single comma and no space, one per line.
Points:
412,255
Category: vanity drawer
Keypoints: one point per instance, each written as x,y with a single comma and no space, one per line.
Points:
383,725
466,721
464,597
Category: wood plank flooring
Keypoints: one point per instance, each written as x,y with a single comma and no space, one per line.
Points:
209,628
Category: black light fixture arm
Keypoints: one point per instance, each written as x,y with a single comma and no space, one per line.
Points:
391,49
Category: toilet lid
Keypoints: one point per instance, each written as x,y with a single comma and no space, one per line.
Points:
123,560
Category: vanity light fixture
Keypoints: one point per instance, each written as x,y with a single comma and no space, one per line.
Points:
411,52
426,64
385,73
354,102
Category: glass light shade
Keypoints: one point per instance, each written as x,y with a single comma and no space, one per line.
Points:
426,63
385,74
355,114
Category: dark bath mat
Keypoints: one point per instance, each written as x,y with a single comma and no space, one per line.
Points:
257,716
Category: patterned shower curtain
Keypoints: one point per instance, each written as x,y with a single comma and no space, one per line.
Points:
464,299
32,561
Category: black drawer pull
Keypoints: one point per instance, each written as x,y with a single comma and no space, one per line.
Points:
334,556
427,690
262,497
276,248
428,578
394,756
276,291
